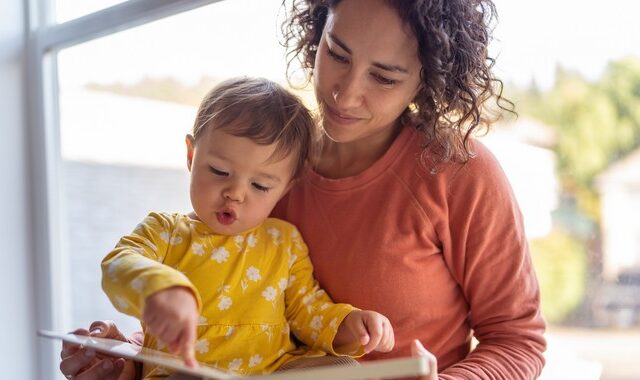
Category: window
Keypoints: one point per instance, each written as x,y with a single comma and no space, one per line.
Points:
115,84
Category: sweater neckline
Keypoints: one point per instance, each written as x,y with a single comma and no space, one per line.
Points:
405,136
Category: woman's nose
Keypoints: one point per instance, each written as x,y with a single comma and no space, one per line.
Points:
349,93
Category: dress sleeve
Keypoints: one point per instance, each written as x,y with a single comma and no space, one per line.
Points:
313,317
134,269
488,254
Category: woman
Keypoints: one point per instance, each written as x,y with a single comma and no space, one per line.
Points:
400,198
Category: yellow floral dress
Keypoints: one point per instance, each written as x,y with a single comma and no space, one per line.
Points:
251,289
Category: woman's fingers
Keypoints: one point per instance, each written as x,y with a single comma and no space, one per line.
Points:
106,369
106,329
73,363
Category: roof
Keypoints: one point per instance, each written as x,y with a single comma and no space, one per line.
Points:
625,171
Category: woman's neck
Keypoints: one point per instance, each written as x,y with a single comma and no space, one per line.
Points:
346,159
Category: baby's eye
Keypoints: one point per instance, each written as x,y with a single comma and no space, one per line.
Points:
337,57
218,172
259,187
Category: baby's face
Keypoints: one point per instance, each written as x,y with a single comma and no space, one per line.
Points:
235,183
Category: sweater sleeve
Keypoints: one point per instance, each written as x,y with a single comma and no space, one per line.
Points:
312,315
134,269
488,254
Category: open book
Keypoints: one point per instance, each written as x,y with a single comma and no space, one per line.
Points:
386,369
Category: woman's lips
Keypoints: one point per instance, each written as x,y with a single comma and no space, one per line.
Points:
340,118
226,216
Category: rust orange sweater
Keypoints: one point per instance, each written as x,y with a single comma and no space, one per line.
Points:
442,254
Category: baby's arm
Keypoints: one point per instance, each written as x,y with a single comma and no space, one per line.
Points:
171,316
139,284
367,328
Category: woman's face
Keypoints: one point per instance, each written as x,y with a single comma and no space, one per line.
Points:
367,70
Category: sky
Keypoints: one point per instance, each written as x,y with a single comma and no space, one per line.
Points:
531,39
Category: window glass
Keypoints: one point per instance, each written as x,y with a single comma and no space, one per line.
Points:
572,156
126,103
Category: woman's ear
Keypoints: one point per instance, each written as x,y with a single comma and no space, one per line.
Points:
190,149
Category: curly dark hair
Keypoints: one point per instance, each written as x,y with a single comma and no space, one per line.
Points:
457,81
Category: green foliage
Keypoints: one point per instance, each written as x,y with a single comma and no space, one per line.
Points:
596,123
561,265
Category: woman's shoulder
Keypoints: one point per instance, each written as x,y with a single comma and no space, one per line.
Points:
427,175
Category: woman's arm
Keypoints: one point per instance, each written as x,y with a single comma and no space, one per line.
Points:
487,252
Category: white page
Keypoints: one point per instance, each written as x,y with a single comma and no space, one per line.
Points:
388,369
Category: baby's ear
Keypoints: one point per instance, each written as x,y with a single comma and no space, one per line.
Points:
190,148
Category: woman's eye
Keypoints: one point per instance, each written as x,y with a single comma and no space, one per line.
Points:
384,80
259,187
218,172
337,57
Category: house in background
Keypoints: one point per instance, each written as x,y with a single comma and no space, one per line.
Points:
619,188
522,149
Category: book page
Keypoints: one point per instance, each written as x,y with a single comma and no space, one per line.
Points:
379,369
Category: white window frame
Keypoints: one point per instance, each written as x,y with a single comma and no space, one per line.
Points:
45,38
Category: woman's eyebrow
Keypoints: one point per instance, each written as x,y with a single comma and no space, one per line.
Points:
383,66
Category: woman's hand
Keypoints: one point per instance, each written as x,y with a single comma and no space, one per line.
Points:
82,363
369,329
418,350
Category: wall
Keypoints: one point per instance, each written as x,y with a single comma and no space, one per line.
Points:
18,350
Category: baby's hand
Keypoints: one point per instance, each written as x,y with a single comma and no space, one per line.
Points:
372,330
171,316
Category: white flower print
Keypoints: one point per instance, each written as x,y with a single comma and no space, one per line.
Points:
275,234
235,364
302,290
314,336
324,306
254,274
176,240
164,235
308,299
225,303
238,239
197,249
316,322
202,320
142,263
230,331
202,346
255,360
137,284
267,330
224,289
251,240
220,255
292,279
269,293
112,270
282,284
334,323
122,302
292,260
